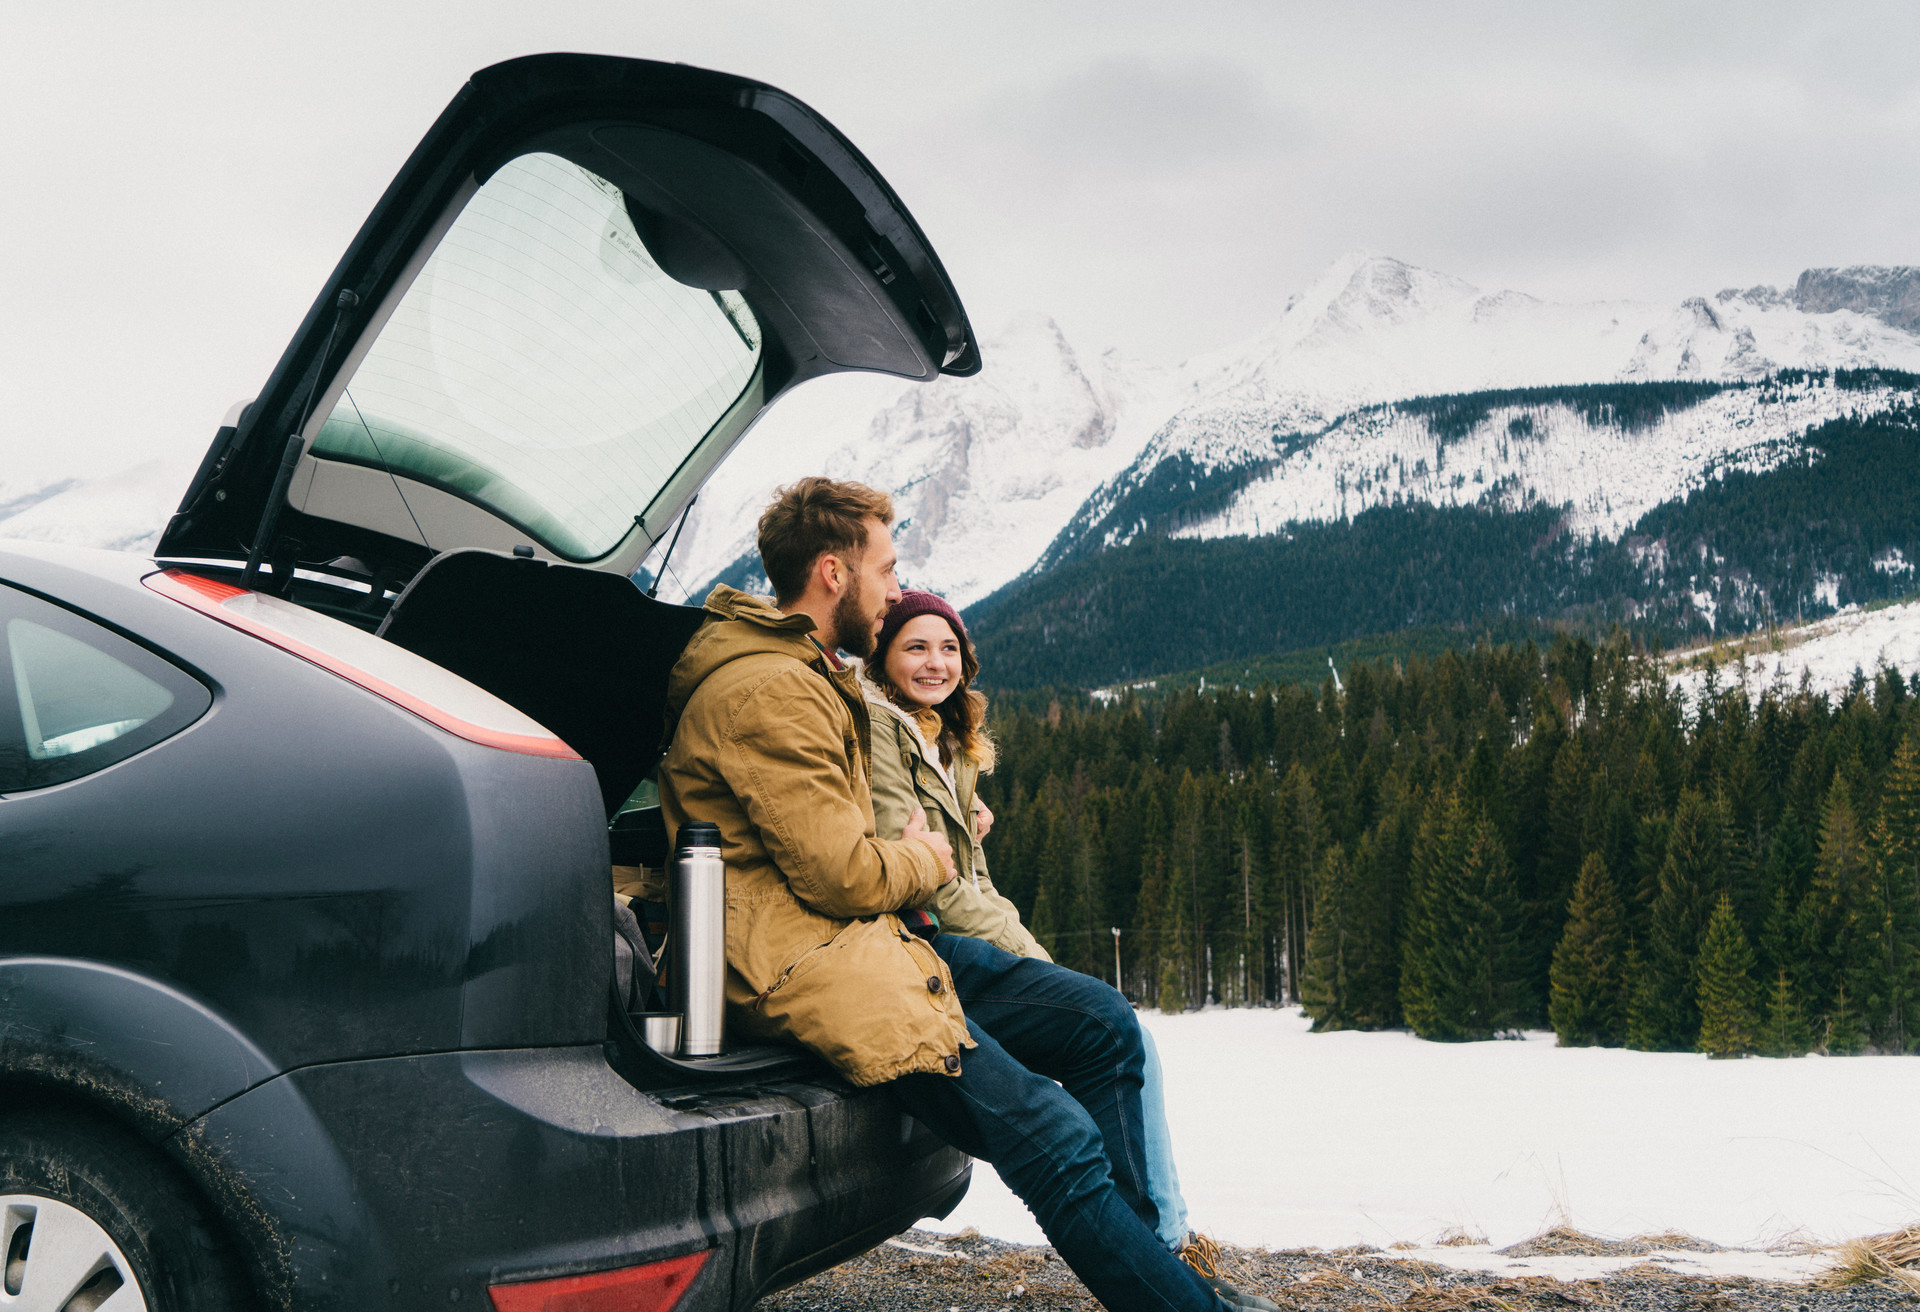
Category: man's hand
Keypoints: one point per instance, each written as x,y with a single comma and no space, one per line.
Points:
917,830
982,818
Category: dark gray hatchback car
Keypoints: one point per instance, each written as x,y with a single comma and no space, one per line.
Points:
305,923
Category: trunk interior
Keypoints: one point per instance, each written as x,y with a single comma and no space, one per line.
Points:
587,654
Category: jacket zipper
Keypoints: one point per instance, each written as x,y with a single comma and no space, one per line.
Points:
788,972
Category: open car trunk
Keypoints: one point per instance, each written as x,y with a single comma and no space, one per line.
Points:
584,652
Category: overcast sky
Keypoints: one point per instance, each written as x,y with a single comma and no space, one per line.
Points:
177,180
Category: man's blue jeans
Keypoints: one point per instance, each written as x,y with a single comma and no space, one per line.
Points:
1075,1151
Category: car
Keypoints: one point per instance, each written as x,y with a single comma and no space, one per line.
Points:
307,984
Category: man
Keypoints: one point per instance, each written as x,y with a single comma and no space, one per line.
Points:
770,742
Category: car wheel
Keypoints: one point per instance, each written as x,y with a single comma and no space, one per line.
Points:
93,1220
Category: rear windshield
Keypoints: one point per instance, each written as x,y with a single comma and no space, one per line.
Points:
542,365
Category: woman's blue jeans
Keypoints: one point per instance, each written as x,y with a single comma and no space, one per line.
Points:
1074,1151
1163,1181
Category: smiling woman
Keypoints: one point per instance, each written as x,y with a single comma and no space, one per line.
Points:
543,365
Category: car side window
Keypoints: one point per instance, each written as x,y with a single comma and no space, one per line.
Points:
76,697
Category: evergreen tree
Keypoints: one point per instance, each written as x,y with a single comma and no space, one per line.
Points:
1845,1037
1837,922
1297,827
1086,927
1567,800
1436,850
1588,1003
1052,862
1689,884
1380,867
1742,800
1789,874
1785,1033
1173,989
1726,995
1896,850
1184,923
1149,928
1335,947
1465,980
1643,1029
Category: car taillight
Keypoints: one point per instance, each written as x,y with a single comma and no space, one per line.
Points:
655,1287
412,682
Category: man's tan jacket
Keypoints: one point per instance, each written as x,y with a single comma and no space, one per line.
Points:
771,744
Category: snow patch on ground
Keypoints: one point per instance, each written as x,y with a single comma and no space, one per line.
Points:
1827,651
1288,1139
1793,1262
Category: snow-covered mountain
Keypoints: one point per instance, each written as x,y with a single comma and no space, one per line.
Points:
1302,419
1539,447
1051,449
984,471
1028,463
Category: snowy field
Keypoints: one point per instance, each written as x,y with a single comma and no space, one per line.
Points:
1288,1139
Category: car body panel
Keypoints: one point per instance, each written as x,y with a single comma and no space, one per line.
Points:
155,1056
434,894
419,1181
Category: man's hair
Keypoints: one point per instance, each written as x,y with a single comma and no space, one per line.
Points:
811,518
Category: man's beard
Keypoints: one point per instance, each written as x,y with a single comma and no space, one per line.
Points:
852,625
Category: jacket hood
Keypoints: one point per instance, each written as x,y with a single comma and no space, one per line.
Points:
877,698
738,624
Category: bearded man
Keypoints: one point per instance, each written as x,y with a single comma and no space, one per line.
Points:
770,744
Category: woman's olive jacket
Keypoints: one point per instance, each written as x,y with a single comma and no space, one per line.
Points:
770,743
908,776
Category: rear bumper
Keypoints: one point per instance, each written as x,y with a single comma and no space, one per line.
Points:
419,1181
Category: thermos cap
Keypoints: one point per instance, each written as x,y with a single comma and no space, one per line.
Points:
697,833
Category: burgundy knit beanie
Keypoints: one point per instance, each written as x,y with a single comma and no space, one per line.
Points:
913,602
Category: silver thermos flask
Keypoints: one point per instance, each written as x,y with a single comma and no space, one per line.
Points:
697,937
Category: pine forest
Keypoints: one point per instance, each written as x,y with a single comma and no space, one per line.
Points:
1503,838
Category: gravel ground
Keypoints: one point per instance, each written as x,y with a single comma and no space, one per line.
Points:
936,1273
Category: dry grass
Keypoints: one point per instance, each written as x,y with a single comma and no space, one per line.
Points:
1546,1288
1458,1237
1565,1241
1888,1259
1647,1271
1328,1281
1430,1297
1677,1241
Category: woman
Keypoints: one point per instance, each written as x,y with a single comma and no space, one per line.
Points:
930,747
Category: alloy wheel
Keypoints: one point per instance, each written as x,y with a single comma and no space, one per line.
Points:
59,1259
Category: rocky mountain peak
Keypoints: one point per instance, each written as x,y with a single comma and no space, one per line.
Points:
1890,294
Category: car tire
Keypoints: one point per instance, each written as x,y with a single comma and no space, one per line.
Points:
115,1210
